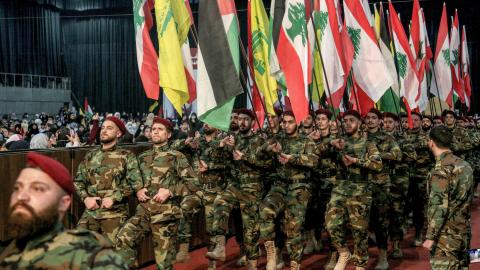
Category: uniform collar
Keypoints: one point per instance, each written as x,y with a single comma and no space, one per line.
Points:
113,148
444,154
162,148
39,240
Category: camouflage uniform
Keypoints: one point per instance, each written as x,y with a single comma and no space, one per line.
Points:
449,208
352,197
323,177
60,249
418,179
290,193
211,182
399,187
161,168
462,142
243,192
107,173
380,185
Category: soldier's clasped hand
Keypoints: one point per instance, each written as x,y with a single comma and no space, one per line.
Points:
91,203
162,195
142,196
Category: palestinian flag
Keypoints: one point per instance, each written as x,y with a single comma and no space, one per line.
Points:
442,81
187,60
88,110
218,79
368,59
292,47
146,54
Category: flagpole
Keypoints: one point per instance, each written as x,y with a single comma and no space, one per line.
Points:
317,44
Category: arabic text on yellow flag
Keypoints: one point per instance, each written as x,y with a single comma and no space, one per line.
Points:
170,63
261,59
317,79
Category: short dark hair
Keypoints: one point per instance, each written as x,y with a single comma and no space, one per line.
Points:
441,136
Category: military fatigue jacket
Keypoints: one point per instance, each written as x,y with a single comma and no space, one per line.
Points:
424,159
109,173
302,150
169,169
254,160
449,204
389,152
326,168
353,180
462,141
61,249
216,159
409,155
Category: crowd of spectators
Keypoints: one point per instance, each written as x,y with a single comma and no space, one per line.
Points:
69,128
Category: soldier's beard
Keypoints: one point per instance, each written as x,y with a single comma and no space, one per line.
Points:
20,225
234,127
107,140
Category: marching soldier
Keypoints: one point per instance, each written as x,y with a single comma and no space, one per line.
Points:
168,177
449,204
399,181
462,142
211,165
380,182
289,193
249,155
351,194
41,196
105,179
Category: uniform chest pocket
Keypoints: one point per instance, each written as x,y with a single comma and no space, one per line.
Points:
112,173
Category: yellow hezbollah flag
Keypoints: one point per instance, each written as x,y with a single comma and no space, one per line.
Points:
261,59
170,62
182,19
318,88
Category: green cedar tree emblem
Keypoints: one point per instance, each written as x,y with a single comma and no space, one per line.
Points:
420,51
138,19
401,64
355,37
446,56
258,39
322,21
455,57
296,15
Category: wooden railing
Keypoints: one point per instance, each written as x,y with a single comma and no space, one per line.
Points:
11,163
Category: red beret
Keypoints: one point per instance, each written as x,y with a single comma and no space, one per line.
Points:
118,123
163,121
53,168
417,113
437,117
390,115
289,113
353,113
325,112
246,112
377,112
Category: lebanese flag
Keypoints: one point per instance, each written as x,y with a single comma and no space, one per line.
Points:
415,30
442,80
147,58
423,62
465,61
293,55
368,60
455,58
187,63
407,68
331,48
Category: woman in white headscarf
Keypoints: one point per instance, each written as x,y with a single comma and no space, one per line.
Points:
40,141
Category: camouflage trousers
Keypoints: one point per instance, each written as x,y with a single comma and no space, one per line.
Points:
247,199
317,207
379,213
293,202
109,227
190,205
446,260
162,224
352,211
418,196
398,194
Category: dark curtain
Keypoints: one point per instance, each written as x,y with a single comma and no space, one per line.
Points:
30,39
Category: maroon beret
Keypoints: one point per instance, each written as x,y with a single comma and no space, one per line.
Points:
445,112
417,113
118,123
438,117
278,111
163,121
53,168
353,113
390,115
377,112
246,112
325,112
289,113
